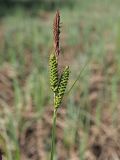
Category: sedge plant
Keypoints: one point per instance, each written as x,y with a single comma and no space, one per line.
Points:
58,81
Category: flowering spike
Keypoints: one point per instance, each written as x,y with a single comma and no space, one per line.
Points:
62,86
53,72
56,33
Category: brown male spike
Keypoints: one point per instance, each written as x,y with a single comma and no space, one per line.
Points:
56,32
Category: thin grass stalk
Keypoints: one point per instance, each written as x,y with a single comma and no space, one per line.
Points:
53,134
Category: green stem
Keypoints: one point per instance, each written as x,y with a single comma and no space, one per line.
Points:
53,134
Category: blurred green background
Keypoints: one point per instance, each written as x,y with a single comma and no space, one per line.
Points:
88,125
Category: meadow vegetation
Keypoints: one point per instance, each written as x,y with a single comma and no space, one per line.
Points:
88,124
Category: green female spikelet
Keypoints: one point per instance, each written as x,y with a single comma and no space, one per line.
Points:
62,86
53,72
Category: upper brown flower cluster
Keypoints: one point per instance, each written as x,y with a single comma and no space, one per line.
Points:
56,33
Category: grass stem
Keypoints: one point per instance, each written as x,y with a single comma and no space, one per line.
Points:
53,134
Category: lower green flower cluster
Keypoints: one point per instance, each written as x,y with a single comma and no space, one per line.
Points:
58,85
53,64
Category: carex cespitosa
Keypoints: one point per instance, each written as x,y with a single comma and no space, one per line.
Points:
58,81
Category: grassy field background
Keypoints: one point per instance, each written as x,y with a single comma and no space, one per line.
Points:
88,125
